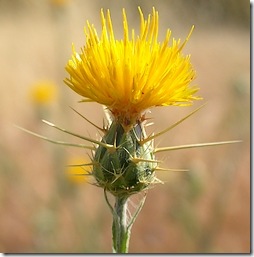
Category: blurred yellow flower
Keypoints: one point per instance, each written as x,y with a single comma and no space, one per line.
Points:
132,74
43,92
76,170
59,2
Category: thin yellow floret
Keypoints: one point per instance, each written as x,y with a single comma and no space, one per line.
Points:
132,74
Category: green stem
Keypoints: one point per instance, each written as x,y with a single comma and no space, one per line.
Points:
120,229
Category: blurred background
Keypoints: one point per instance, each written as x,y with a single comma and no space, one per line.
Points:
46,208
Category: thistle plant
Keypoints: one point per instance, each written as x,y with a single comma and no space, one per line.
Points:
128,77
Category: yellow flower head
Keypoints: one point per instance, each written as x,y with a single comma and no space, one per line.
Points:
132,74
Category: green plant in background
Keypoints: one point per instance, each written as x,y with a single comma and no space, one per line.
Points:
128,77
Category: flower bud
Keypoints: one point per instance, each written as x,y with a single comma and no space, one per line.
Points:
129,167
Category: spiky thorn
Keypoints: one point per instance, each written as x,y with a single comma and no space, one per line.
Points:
117,175
151,137
172,148
55,141
114,146
86,173
103,129
137,160
115,140
109,147
80,165
165,169
157,181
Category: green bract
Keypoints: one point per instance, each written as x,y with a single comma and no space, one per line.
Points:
129,167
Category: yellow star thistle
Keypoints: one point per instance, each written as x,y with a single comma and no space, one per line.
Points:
128,76
133,74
